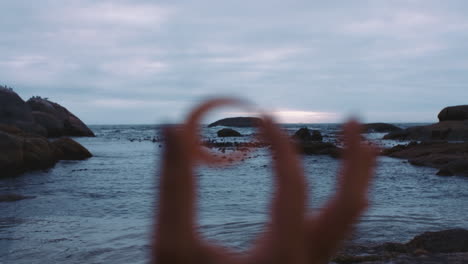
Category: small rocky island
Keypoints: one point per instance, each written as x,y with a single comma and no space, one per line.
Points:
32,134
237,122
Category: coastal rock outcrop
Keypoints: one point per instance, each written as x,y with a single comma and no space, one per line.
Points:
228,132
39,116
450,158
457,113
446,246
446,241
380,128
57,119
24,152
237,122
445,130
452,126
24,128
15,112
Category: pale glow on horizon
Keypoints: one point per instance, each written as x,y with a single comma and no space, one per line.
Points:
292,116
295,116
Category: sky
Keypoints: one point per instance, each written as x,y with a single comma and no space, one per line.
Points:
142,62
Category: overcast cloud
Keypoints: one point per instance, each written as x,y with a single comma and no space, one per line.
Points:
310,61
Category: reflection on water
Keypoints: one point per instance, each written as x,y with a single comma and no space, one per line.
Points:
100,210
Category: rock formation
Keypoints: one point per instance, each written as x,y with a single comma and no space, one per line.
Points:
450,158
237,122
446,246
24,128
39,116
445,130
56,119
453,126
22,152
454,113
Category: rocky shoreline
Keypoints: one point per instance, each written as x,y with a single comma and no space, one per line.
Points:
446,246
443,145
33,134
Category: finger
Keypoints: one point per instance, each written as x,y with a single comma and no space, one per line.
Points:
177,193
358,162
335,222
288,208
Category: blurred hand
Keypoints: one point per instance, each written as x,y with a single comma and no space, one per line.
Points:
292,235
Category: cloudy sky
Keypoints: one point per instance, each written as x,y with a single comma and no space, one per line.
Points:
141,61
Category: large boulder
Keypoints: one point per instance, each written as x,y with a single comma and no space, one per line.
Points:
305,134
380,128
459,112
23,152
57,118
68,149
228,132
37,153
237,122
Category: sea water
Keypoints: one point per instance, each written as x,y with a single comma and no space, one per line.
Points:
101,210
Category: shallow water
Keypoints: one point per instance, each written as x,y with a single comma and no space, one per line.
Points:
100,210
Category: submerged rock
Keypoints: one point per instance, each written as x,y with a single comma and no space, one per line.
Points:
319,148
237,122
11,197
228,132
380,128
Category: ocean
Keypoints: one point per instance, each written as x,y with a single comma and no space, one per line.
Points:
101,210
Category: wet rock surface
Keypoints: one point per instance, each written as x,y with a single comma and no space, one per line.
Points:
447,246
450,158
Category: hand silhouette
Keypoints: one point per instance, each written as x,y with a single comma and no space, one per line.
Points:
292,235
